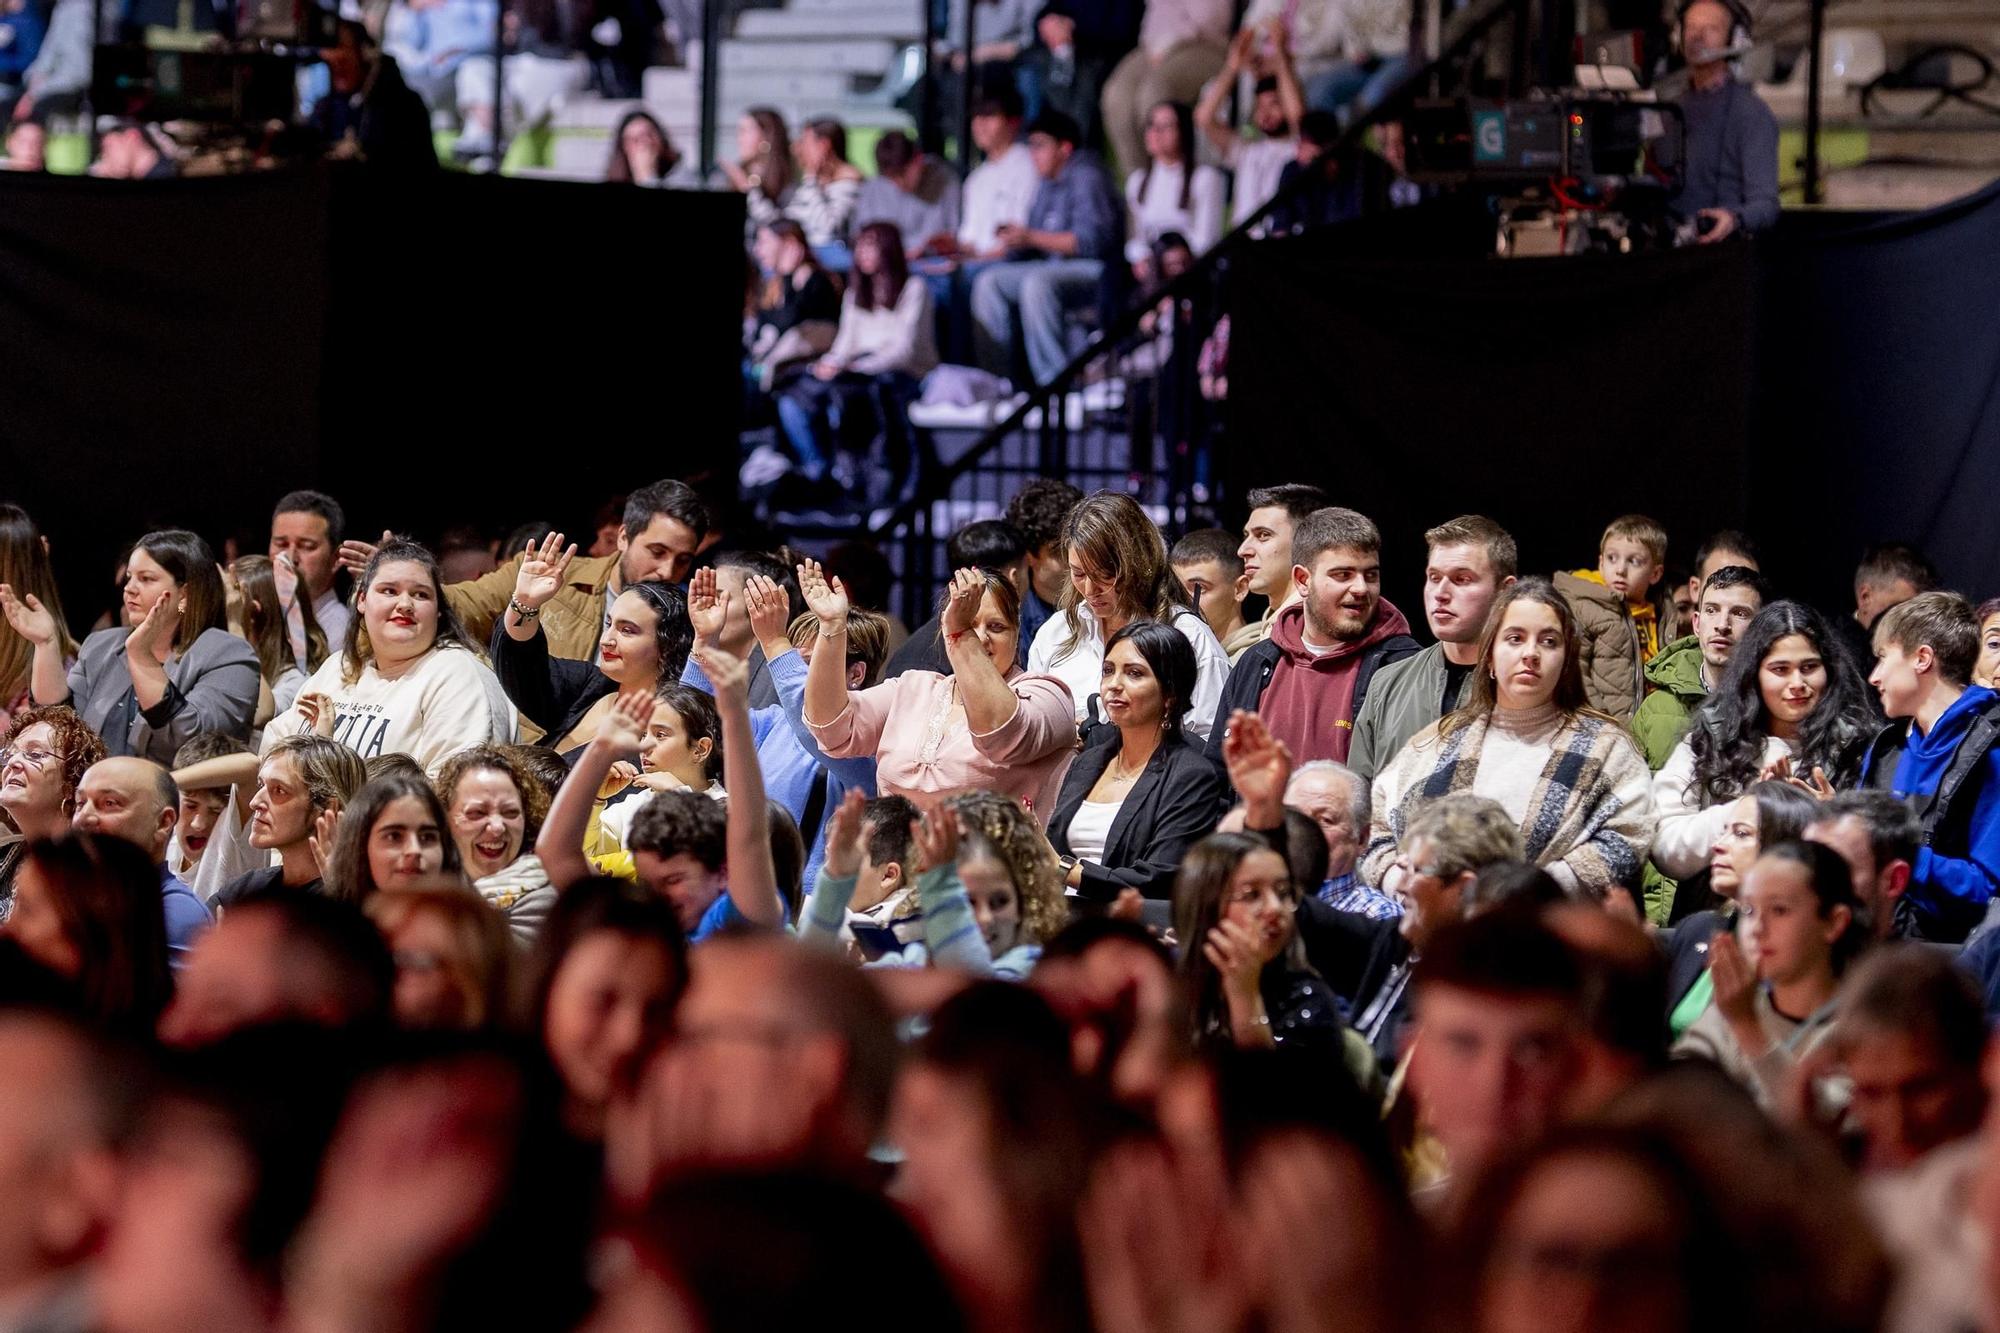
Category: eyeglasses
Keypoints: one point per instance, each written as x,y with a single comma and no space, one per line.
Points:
35,759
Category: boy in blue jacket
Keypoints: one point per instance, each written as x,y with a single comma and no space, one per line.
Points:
1938,753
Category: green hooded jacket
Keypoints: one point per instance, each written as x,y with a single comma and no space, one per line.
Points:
1675,677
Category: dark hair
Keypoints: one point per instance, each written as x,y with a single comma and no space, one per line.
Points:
319,931
675,499
999,98
886,823
1783,811
788,856
832,131
1726,540
676,822
532,533
1296,498
1208,544
1320,128
1737,576
1061,128
673,632
1267,83
1503,953
1728,730
357,652
1922,992
264,620
893,152
349,875
541,764
861,566
1511,884
1039,510
619,170
1170,657
1894,832
776,568
1305,851
699,720
1184,126
1082,935
774,164
600,903
25,567
1889,561
105,891
315,502
1201,893
884,287
189,562
990,543
206,745
1334,529
1833,884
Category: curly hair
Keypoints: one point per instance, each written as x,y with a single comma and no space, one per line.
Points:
493,758
996,827
1730,727
79,746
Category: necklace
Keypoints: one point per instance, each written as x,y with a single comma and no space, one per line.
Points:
1119,773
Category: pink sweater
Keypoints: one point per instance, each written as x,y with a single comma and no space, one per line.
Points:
923,752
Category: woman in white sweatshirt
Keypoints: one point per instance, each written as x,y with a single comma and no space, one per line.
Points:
406,681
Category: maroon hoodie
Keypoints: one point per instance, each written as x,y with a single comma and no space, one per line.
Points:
1309,703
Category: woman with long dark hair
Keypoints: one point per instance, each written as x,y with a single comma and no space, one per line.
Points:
394,836
408,680
1141,793
88,908
1569,775
26,576
176,672
829,185
1790,705
885,344
643,154
798,305
763,172
1169,193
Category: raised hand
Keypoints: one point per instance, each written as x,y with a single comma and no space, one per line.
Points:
726,671
935,837
320,840
156,630
1259,764
770,609
624,727
961,610
708,606
355,555
542,572
843,835
27,617
827,597
317,711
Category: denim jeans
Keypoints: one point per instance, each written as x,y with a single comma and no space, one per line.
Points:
1033,296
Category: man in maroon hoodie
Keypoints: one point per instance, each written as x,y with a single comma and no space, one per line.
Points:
1308,679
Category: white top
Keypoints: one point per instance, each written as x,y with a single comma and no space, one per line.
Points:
228,856
1090,829
998,191
1687,832
1159,210
1258,164
449,701
1079,667
615,822
898,337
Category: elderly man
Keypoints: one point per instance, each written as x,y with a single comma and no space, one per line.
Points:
136,800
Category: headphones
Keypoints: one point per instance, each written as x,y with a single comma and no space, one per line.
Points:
1740,24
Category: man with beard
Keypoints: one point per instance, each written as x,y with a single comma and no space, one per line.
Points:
1308,680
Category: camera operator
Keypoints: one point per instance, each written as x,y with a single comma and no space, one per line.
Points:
1731,180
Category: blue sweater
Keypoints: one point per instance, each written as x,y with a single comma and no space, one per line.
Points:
1944,874
1732,155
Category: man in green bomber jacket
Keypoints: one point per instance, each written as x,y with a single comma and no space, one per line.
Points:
1682,674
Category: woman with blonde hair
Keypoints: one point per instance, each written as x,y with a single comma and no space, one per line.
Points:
1118,573
25,574
454,957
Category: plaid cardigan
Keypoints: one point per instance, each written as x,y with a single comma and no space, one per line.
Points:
1590,811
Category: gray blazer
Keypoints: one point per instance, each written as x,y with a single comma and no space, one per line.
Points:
211,687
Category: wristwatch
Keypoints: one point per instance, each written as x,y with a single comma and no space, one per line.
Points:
1068,863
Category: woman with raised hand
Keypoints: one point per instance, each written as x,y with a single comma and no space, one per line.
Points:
407,681
645,643
26,576
987,727
176,672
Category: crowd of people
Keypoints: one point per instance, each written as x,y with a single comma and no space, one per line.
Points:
1162,937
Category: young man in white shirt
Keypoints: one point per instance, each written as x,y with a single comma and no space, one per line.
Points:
1000,188
1258,163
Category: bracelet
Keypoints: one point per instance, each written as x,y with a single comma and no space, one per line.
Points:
524,612
826,633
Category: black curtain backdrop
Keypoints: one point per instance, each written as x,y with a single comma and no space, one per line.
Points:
1835,384
458,349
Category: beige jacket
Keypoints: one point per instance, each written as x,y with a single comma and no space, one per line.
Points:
573,619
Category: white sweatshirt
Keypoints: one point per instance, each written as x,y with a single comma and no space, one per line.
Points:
1687,832
449,701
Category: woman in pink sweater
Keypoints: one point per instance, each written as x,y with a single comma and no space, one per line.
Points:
986,727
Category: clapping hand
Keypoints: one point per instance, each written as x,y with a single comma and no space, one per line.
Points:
843,835
961,611
542,571
27,617
708,606
320,840
1259,765
827,597
1735,981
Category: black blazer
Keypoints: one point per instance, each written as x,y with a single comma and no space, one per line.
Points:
1174,804
552,692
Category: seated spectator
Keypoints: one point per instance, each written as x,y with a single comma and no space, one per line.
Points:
370,113
1166,192
1987,669
1076,46
828,187
1910,1035
135,799
645,644
307,528
1141,793
643,154
214,774
914,192
1182,45
1275,513
1718,550
1684,672
1335,798
1889,575
999,190
1619,625
987,726
886,343
303,783
56,80
989,543
280,956
872,843
1775,991
130,151
1039,511
1938,753
1055,263
1242,967
546,62
271,619
495,811
1152,351
27,145
40,770
394,836
1119,573
1588,820
798,312
1879,837
680,749
1275,112
408,680
1312,676
1337,188
763,172
430,39
87,907
454,958
1471,561
1208,566
27,576
606,975
176,672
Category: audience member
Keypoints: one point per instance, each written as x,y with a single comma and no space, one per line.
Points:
40,770
1000,189
1182,45
642,153
26,575
1167,192
302,786
87,908
1619,624
135,799
1040,512
1879,837
1684,671
763,170
990,543
1276,108
1077,46
454,958
495,810
828,187
370,113
214,774
1472,561
874,844
1889,575
1718,551
307,529
1275,513
1206,563
1985,671
130,151
394,836
1910,1035
27,143
914,192
798,311
275,621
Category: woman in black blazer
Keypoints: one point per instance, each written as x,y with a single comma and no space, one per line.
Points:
1140,794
